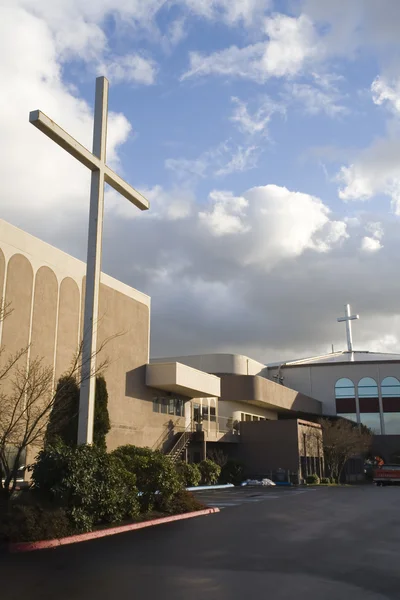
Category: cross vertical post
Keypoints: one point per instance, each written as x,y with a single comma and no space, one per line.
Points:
93,268
347,319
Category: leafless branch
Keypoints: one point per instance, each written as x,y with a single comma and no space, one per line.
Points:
27,401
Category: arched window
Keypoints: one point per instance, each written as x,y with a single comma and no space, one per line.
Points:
344,388
390,387
345,399
367,388
369,404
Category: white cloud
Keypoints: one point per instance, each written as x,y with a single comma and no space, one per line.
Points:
224,159
243,159
225,216
375,229
132,68
291,43
386,92
316,100
231,12
53,183
255,123
359,24
370,244
233,61
332,234
177,31
375,171
274,224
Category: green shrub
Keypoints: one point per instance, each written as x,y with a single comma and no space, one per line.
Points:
210,472
190,473
312,479
232,472
156,477
325,480
92,486
34,523
63,420
101,424
333,480
183,502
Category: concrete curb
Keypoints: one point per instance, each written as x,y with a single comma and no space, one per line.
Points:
199,488
92,535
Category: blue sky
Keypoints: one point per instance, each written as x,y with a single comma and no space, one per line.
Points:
265,135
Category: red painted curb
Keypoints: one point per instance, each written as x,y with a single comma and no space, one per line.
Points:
92,535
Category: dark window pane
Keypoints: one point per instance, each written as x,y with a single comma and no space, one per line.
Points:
205,412
392,423
349,416
164,406
171,406
371,420
213,414
179,408
156,405
345,405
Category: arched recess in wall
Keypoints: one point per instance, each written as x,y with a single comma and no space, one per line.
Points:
44,315
390,388
2,272
68,324
345,398
18,296
2,275
368,398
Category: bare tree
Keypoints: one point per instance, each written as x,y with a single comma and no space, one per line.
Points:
25,405
343,440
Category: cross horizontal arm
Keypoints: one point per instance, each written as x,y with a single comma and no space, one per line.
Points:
125,189
63,139
352,318
66,141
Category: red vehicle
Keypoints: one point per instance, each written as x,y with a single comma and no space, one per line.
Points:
387,475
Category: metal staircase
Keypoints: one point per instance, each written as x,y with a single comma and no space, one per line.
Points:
182,442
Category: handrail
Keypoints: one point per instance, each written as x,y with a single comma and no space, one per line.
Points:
182,441
164,435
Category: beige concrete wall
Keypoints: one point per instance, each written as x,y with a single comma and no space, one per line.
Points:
266,445
44,288
269,445
230,409
68,325
44,316
18,294
130,401
234,364
258,391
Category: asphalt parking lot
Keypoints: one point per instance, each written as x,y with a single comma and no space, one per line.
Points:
237,496
330,543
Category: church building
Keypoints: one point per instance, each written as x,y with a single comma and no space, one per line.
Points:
265,415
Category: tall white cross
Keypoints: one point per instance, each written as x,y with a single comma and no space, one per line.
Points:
101,173
348,318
